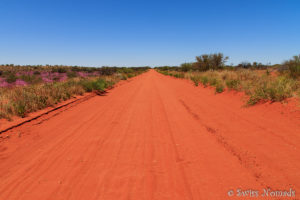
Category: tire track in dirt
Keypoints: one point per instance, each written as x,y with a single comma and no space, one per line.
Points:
178,157
245,160
263,129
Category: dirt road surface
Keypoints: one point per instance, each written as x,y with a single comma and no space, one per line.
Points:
153,137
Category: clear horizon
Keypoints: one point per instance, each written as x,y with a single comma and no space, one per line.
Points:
148,33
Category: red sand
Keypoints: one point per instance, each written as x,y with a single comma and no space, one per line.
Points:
154,137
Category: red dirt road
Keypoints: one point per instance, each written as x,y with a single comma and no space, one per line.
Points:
154,137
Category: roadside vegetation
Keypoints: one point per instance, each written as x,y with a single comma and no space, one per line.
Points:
25,89
260,82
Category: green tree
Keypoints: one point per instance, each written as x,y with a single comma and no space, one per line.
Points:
185,67
293,66
210,61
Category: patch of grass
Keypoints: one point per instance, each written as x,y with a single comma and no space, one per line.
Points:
31,79
219,88
258,85
204,81
196,80
11,77
259,94
71,74
20,101
123,77
179,75
99,85
212,81
232,84
130,75
273,90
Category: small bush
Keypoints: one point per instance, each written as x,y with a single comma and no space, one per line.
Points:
293,66
273,90
31,79
259,94
178,75
219,88
87,85
281,89
233,84
185,67
164,73
123,77
99,85
71,74
212,81
11,78
195,79
61,70
130,75
204,80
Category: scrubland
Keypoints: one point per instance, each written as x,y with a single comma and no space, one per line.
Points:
259,82
25,89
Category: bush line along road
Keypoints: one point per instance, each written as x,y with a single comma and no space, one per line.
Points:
153,137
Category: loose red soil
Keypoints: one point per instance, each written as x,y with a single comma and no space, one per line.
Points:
154,137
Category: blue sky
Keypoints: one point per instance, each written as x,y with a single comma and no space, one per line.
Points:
138,33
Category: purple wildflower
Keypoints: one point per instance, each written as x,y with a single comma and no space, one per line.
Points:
82,74
47,80
20,82
44,74
4,84
63,77
28,73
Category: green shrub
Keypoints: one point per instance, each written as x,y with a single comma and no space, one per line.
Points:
21,109
123,77
219,88
204,80
273,90
195,79
99,85
233,84
62,70
281,89
71,74
11,78
165,73
212,81
178,75
87,85
294,66
260,93
185,67
130,75
31,79
210,61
